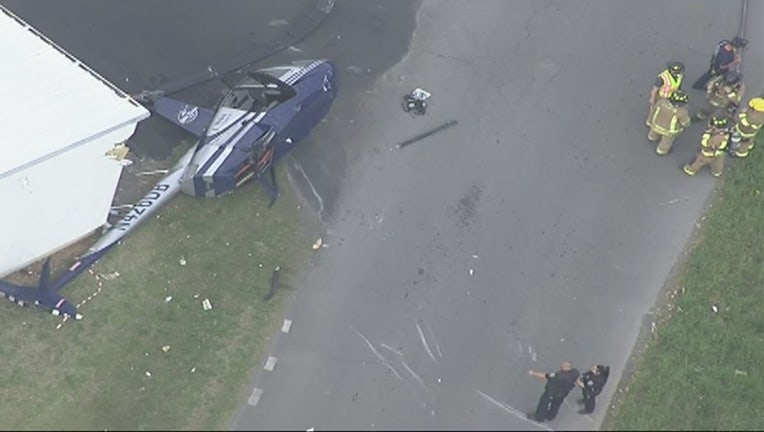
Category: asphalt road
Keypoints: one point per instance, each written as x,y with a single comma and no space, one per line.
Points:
540,228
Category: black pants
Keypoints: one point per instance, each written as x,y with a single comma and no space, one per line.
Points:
549,405
588,402
700,84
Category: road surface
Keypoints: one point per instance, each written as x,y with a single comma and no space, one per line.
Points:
540,228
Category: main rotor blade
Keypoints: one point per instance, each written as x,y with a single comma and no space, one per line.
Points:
293,34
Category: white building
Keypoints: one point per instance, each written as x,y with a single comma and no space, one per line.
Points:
61,132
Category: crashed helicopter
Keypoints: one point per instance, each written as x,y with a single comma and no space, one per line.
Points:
257,122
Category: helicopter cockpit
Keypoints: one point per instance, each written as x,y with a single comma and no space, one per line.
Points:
258,92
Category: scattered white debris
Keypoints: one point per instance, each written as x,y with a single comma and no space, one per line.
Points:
286,326
227,244
182,261
475,256
168,299
440,380
739,372
193,369
562,339
714,308
196,296
260,265
318,243
148,374
166,348
294,48
206,304
110,276
472,272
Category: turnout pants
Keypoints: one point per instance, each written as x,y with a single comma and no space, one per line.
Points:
666,141
716,163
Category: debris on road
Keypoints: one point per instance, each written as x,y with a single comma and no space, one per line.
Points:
424,135
318,243
472,272
416,102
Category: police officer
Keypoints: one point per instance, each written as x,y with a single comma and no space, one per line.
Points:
748,124
712,145
724,93
726,56
668,81
591,383
558,385
669,118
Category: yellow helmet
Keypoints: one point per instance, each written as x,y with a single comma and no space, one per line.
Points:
757,104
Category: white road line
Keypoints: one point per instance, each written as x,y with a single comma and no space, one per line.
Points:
254,398
424,342
286,326
270,363
513,411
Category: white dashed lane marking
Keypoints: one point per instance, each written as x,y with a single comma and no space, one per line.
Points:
286,326
271,363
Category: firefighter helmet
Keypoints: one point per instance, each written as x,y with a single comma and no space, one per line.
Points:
718,121
757,104
675,67
679,96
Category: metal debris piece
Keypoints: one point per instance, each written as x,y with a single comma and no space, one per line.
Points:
424,135
206,304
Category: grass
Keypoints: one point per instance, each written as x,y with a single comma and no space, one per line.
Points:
702,369
92,374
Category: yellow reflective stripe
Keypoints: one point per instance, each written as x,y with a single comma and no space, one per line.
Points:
673,127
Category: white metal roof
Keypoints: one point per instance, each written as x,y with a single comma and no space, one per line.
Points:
49,101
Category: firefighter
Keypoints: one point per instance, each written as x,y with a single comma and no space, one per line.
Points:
669,118
723,92
712,146
748,124
668,81
726,55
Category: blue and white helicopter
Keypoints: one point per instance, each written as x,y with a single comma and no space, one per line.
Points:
257,122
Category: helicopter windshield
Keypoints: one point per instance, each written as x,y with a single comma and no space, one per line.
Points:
258,93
